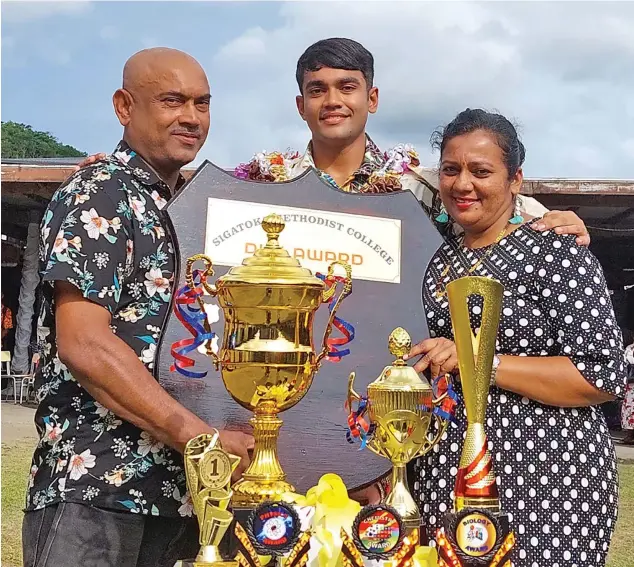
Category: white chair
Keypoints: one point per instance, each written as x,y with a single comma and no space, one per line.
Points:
23,382
26,381
6,366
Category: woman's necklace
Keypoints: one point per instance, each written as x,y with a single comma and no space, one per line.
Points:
441,292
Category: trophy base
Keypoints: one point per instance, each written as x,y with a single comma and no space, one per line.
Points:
249,493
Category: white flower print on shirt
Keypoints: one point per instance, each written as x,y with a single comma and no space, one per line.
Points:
53,433
148,355
158,200
138,206
147,444
186,508
78,465
156,283
94,225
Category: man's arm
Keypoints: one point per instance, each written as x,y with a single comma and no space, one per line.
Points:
112,373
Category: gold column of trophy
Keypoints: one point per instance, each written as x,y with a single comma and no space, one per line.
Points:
475,533
267,359
400,405
208,470
475,483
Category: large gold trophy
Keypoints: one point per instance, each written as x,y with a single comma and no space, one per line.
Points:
476,533
267,359
208,471
401,409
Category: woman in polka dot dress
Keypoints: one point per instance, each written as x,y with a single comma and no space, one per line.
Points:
559,355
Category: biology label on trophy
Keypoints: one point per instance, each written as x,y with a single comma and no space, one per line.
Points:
283,290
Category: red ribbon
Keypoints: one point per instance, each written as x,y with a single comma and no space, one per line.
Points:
192,316
345,328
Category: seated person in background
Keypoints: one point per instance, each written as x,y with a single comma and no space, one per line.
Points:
7,321
559,355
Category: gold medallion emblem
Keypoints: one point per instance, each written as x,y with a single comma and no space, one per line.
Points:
476,534
215,469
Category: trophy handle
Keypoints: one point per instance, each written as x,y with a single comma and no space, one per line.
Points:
352,394
327,296
209,288
442,426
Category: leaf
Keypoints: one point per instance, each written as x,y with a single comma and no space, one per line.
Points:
149,339
155,510
129,505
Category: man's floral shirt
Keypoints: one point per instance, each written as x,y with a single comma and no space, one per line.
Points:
104,232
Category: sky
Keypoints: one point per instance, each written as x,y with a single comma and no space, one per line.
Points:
562,71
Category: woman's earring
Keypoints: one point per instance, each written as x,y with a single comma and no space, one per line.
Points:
442,217
517,213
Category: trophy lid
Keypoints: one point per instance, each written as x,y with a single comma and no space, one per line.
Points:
399,375
271,263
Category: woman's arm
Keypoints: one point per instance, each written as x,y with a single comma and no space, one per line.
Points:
550,380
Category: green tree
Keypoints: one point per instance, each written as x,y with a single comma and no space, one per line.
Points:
21,141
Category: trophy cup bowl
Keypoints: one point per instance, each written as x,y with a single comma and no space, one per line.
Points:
401,409
267,359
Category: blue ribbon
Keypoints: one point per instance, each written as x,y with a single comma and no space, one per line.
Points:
192,316
346,329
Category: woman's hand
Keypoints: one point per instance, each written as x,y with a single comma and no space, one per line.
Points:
438,354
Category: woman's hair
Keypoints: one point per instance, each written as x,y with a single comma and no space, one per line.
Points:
470,120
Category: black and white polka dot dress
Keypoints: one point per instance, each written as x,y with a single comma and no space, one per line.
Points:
556,466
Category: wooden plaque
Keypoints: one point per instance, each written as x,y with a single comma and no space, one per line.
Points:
313,438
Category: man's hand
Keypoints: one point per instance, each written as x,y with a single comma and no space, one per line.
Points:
564,222
438,354
369,495
238,444
89,161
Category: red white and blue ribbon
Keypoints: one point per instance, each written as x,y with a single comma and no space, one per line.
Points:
359,428
189,312
345,328
447,408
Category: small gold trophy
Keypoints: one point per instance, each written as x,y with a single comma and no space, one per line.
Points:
476,533
400,405
208,470
267,359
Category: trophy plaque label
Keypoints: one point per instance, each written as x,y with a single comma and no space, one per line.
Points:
476,534
371,245
274,528
312,440
378,531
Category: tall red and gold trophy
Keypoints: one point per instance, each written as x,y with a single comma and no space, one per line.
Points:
476,533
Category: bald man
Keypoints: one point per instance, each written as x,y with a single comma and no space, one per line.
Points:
107,486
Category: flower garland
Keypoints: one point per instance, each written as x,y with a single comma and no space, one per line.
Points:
398,161
275,166
385,178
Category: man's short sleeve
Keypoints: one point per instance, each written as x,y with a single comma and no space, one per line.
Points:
86,236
